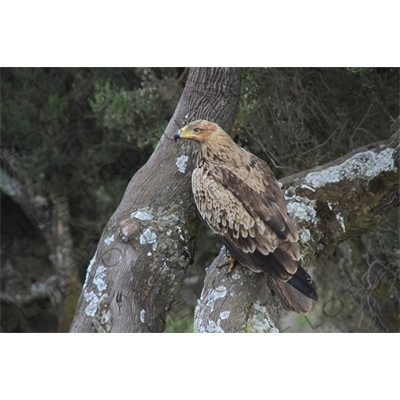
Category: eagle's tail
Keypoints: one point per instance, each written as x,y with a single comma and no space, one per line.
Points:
296,294
303,283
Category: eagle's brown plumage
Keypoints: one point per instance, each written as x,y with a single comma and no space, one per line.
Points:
239,199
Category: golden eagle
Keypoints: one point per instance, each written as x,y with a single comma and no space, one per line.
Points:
239,199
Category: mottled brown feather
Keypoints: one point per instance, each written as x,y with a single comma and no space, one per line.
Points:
240,200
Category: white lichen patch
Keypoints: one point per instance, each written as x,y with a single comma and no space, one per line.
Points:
212,327
102,318
260,321
142,215
340,218
93,301
206,305
149,253
307,187
214,295
142,315
365,165
301,208
109,240
305,235
148,237
181,163
98,278
224,315
88,271
235,276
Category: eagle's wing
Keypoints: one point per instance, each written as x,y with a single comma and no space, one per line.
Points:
245,207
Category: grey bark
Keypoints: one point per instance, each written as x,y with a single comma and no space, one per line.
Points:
146,246
329,204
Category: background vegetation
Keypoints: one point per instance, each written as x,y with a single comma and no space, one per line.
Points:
84,132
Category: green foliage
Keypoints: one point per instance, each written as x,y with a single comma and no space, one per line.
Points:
357,70
184,325
141,114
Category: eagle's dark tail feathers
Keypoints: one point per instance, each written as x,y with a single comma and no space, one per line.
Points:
296,294
303,283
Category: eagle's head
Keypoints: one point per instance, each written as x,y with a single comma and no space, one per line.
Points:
199,130
215,144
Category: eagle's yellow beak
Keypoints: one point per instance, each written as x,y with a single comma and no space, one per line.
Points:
183,133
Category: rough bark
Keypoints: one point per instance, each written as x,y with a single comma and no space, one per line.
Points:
148,243
331,203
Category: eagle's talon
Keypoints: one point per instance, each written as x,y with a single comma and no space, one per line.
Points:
230,260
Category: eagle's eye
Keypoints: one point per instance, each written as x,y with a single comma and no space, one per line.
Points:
197,130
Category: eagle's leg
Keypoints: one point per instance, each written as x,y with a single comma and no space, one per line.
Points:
230,260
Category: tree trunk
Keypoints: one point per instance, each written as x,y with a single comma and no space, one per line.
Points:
149,242
331,203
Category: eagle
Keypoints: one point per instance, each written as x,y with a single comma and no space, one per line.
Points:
239,199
